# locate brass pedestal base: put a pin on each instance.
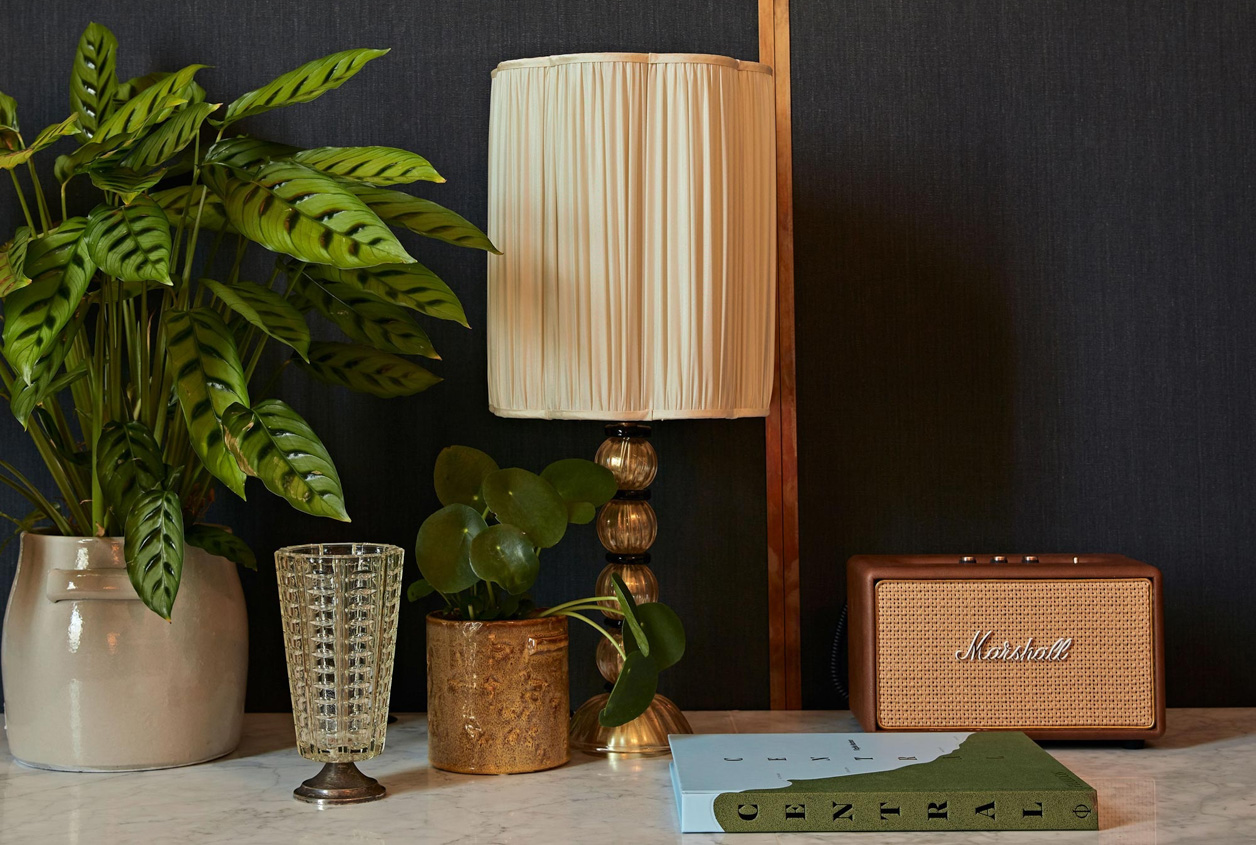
(339, 783)
(644, 736)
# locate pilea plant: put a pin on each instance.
(481, 553)
(139, 309)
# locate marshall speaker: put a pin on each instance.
(1057, 646)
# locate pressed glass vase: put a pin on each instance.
(339, 604)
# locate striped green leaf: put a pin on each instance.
(12, 262)
(28, 397)
(423, 217)
(208, 380)
(266, 310)
(123, 181)
(408, 285)
(273, 443)
(245, 153)
(93, 80)
(131, 242)
(169, 138)
(153, 548)
(45, 383)
(367, 370)
(93, 153)
(9, 128)
(291, 209)
(49, 136)
(150, 106)
(366, 318)
(217, 540)
(301, 85)
(59, 268)
(372, 165)
(136, 84)
(128, 463)
(175, 202)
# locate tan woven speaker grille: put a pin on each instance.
(1105, 681)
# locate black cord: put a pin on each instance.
(838, 660)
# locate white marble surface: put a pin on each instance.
(1198, 784)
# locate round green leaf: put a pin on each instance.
(665, 632)
(460, 470)
(443, 547)
(633, 692)
(578, 480)
(504, 555)
(580, 513)
(527, 501)
(419, 589)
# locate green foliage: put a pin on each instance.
(137, 313)
(484, 570)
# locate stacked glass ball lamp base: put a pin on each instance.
(627, 527)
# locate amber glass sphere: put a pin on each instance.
(627, 526)
(637, 577)
(608, 660)
(632, 460)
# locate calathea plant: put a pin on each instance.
(482, 550)
(139, 311)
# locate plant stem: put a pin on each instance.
(39, 196)
(593, 600)
(21, 198)
(586, 620)
(31, 493)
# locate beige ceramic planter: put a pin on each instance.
(95, 681)
(497, 696)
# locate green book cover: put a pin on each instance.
(875, 781)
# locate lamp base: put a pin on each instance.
(339, 783)
(644, 736)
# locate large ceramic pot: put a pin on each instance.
(95, 681)
(497, 697)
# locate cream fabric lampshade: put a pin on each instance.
(633, 198)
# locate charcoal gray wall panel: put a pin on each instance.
(431, 95)
(1025, 286)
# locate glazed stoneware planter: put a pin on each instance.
(95, 681)
(497, 696)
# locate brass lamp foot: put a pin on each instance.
(644, 736)
(339, 783)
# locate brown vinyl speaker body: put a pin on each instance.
(1066, 647)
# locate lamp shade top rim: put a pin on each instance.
(634, 58)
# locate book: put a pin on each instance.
(875, 782)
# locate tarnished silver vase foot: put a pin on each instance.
(339, 783)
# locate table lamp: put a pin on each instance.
(633, 197)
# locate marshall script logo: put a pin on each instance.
(978, 650)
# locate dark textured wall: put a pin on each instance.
(431, 94)
(1026, 285)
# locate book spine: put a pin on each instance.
(783, 811)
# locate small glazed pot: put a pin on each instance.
(497, 695)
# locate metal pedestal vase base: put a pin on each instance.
(339, 783)
(644, 736)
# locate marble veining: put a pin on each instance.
(1197, 784)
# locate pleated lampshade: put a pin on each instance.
(633, 197)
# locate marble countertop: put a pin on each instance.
(1197, 784)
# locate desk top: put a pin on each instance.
(1194, 785)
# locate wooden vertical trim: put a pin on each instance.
(781, 429)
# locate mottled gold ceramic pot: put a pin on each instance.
(497, 698)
